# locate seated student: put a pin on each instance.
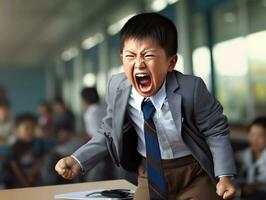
(6, 123)
(62, 116)
(67, 143)
(252, 162)
(6, 132)
(93, 110)
(45, 118)
(23, 163)
(3, 150)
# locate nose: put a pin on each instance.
(139, 63)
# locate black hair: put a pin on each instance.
(90, 95)
(59, 100)
(25, 117)
(260, 121)
(4, 103)
(45, 104)
(153, 25)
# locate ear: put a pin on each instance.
(172, 62)
(121, 57)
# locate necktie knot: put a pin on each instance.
(148, 109)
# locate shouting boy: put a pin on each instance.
(159, 122)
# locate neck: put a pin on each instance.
(88, 105)
(257, 154)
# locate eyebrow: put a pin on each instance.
(149, 50)
(144, 51)
(128, 51)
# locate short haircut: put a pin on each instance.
(59, 100)
(4, 103)
(45, 104)
(260, 121)
(151, 25)
(24, 118)
(90, 95)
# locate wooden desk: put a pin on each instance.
(48, 192)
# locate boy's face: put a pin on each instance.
(26, 130)
(257, 138)
(64, 135)
(57, 107)
(85, 105)
(4, 113)
(42, 110)
(146, 65)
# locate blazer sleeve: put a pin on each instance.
(212, 123)
(96, 149)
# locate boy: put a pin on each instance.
(62, 116)
(160, 121)
(24, 161)
(6, 123)
(252, 162)
(93, 110)
(45, 119)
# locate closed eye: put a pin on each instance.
(149, 55)
(129, 56)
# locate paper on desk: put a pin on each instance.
(82, 195)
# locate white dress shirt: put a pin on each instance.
(93, 117)
(254, 170)
(170, 140)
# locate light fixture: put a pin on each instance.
(69, 54)
(89, 80)
(116, 27)
(158, 5)
(92, 41)
(172, 1)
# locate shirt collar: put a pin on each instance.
(157, 99)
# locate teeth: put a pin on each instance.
(141, 75)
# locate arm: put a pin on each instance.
(211, 122)
(88, 155)
(19, 174)
(95, 150)
(35, 170)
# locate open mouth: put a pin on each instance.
(144, 82)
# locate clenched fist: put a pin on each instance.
(225, 188)
(67, 167)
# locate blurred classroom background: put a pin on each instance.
(52, 49)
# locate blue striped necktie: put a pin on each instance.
(157, 184)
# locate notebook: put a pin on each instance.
(92, 194)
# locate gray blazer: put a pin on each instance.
(195, 112)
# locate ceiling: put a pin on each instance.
(32, 32)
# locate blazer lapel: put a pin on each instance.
(120, 105)
(174, 99)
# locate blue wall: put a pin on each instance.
(25, 87)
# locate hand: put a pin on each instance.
(67, 167)
(225, 188)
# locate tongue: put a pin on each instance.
(145, 84)
(145, 81)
